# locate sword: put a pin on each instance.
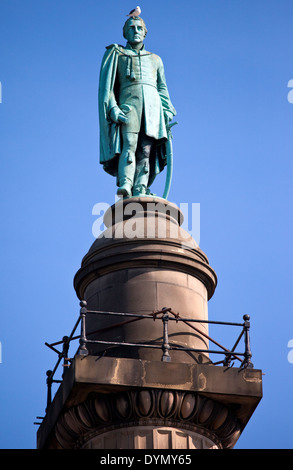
(169, 159)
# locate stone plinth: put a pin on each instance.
(143, 262)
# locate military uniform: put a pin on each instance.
(133, 82)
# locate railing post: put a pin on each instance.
(247, 355)
(49, 388)
(65, 353)
(83, 311)
(166, 356)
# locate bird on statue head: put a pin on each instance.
(135, 12)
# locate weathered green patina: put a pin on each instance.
(135, 111)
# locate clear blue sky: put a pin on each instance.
(228, 64)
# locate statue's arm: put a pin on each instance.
(168, 108)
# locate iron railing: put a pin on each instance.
(165, 315)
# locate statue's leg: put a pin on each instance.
(142, 171)
(126, 164)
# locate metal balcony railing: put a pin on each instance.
(165, 316)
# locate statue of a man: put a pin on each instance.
(134, 112)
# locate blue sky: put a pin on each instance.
(227, 64)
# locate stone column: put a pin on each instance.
(143, 262)
(127, 397)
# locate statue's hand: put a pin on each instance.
(122, 118)
(116, 115)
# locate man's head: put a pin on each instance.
(134, 30)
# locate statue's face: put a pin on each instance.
(135, 32)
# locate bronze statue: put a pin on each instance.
(134, 111)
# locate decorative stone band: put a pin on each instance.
(198, 421)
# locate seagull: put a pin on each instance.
(135, 12)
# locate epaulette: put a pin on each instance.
(114, 45)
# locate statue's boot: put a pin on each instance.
(126, 171)
(124, 190)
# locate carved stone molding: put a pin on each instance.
(149, 437)
(190, 412)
